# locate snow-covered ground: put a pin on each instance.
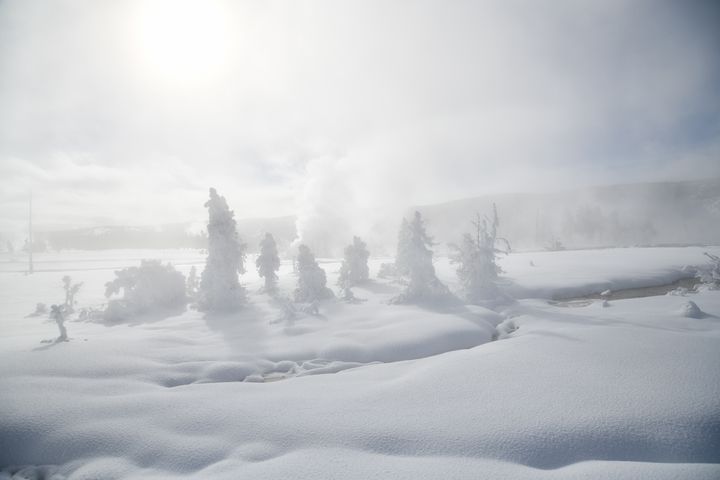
(626, 391)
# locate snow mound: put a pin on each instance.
(691, 310)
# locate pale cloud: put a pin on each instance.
(337, 109)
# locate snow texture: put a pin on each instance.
(369, 390)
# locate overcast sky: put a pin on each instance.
(125, 112)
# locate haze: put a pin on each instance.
(360, 239)
(124, 113)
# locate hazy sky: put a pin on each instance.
(125, 112)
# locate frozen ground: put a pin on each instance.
(627, 391)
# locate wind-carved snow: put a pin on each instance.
(590, 392)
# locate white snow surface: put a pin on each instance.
(369, 390)
(575, 273)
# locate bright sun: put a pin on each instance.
(181, 42)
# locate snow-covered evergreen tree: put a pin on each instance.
(40, 309)
(268, 262)
(423, 284)
(312, 281)
(402, 254)
(387, 270)
(220, 288)
(192, 285)
(70, 291)
(476, 259)
(354, 269)
(554, 245)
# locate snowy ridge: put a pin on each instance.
(632, 214)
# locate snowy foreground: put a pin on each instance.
(531, 390)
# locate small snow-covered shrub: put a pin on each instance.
(90, 314)
(40, 309)
(57, 313)
(70, 291)
(554, 245)
(387, 270)
(287, 308)
(150, 287)
(348, 296)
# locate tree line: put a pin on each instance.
(154, 287)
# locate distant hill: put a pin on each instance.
(618, 215)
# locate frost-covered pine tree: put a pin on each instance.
(423, 284)
(70, 291)
(354, 269)
(312, 281)
(192, 285)
(268, 262)
(476, 259)
(220, 288)
(402, 260)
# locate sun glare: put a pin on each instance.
(181, 42)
